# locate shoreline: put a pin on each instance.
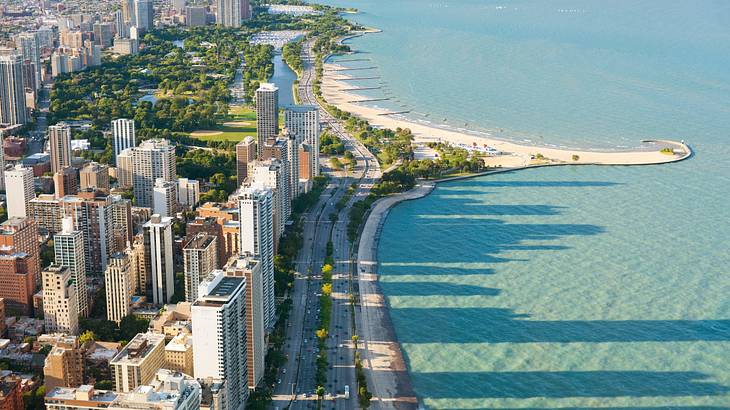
(336, 92)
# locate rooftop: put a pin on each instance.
(138, 348)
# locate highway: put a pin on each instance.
(297, 386)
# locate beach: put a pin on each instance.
(512, 154)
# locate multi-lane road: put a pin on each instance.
(297, 385)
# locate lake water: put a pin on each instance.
(571, 287)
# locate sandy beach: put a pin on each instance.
(514, 155)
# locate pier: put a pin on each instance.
(361, 88)
(352, 60)
(368, 100)
(357, 78)
(395, 112)
(353, 69)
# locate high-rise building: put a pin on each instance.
(278, 149)
(46, 211)
(104, 34)
(303, 122)
(123, 135)
(22, 235)
(64, 365)
(169, 390)
(228, 13)
(179, 354)
(19, 191)
(138, 362)
(125, 169)
(245, 153)
(128, 14)
(12, 90)
(29, 44)
(164, 198)
(209, 226)
(94, 176)
(256, 219)
(59, 138)
(293, 162)
(267, 114)
(152, 159)
(122, 223)
(200, 256)
(245, 9)
(159, 259)
(17, 280)
(92, 215)
(250, 269)
(272, 174)
(221, 311)
(138, 266)
(65, 182)
(195, 16)
(60, 303)
(68, 247)
(2, 161)
(144, 14)
(188, 192)
(118, 282)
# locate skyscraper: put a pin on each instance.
(303, 122)
(200, 256)
(118, 283)
(271, 174)
(152, 159)
(267, 114)
(144, 14)
(68, 247)
(65, 182)
(123, 135)
(245, 9)
(292, 149)
(12, 91)
(188, 192)
(59, 138)
(125, 169)
(2, 162)
(29, 45)
(256, 218)
(19, 191)
(158, 259)
(164, 197)
(92, 214)
(245, 153)
(247, 267)
(60, 303)
(94, 176)
(219, 334)
(228, 13)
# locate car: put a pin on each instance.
(284, 371)
(278, 381)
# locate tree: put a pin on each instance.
(327, 289)
(576, 157)
(321, 333)
(87, 336)
(320, 391)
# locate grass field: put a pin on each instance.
(237, 125)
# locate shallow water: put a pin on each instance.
(571, 287)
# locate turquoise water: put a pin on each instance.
(570, 287)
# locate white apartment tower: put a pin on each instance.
(303, 122)
(164, 198)
(200, 257)
(123, 135)
(219, 334)
(60, 309)
(256, 219)
(12, 90)
(188, 192)
(267, 114)
(228, 13)
(292, 151)
(158, 259)
(118, 282)
(68, 247)
(19, 191)
(272, 174)
(152, 159)
(59, 138)
(250, 269)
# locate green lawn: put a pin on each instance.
(236, 113)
